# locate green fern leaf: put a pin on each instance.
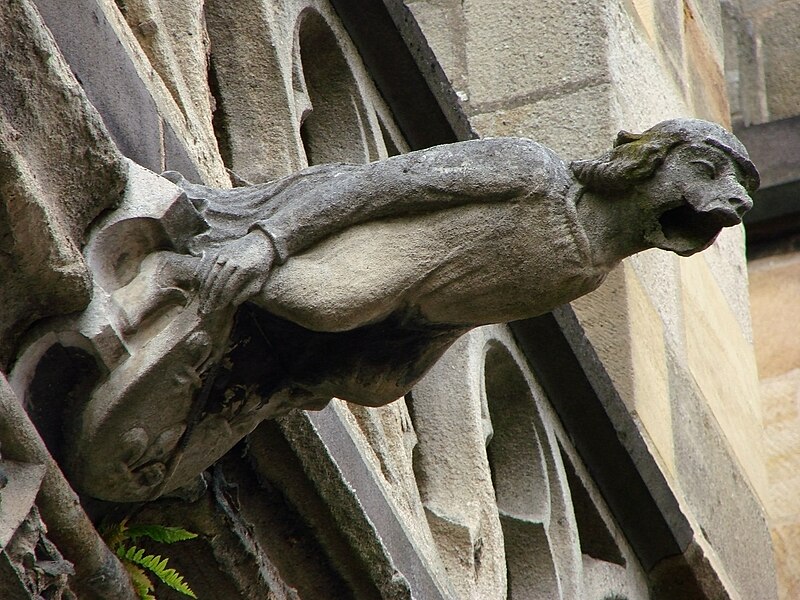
(158, 566)
(160, 533)
(175, 580)
(148, 562)
(132, 554)
(135, 560)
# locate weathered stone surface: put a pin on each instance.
(89, 44)
(779, 29)
(774, 147)
(727, 263)
(21, 483)
(259, 143)
(706, 79)
(731, 394)
(171, 267)
(621, 309)
(566, 122)
(453, 476)
(773, 293)
(331, 458)
(384, 439)
(445, 30)
(174, 38)
(36, 563)
(658, 278)
(722, 493)
(644, 82)
(762, 67)
(504, 66)
(58, 171)
(128, 92)
(99, 574)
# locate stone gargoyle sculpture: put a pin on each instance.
(216, 309)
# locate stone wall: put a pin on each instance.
(674, 334)
(763, 68)
(478, 484)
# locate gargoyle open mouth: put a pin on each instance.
(686, 230)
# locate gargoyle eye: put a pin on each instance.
(705, 167)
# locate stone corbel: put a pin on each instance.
(134, 358)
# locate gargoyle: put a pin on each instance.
(215, 309)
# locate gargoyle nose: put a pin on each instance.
(728, 205)
(737, 196)
(725, 214)
(741, 203)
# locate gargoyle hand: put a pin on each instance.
(237, 272)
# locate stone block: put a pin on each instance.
(627, 332)
(176, 158)
(568, 123)
(453, 475)
(58, 171)
(786, 540)
(743, 66)
(646, 87)
(603, 317)
(657, 273)
(730, 385)
(782, 432)
(731, 525)
(779, 32)
(127, 88)
(445, 30)
(173, 35)
(706, 79)
(708, 14)
(18, 489)
(668, 17)
(256, 118)
(504, 65)
(774, 148)
(649, 367)
(644, 11)
(727, 263)
(94, 53)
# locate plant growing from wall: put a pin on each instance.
(120, 538)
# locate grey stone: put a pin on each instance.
(36, 562)
(774, 147)
(99, 574)
(453, 426)
(176, 158)
(258, 144)
(744, 68)
(342, 269)
(58, 171)
(107, 76)
(779, 32)
(443, 23)
(503, 64)
(17, 496)
(668, 17)
(717, 493)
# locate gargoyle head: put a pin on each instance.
(693, 178)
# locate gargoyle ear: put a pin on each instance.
(625, 137)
